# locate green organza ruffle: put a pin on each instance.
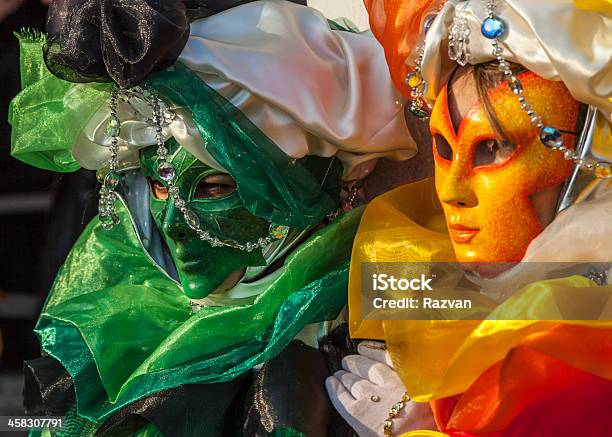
(123, 329)
(49, 114)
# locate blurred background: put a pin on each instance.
(42, 214)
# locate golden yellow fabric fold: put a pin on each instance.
(594, 5)
(439, 358)
(403, 225)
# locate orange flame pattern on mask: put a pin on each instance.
(495, 198)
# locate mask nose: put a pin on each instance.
(457, 190)
(174, 225)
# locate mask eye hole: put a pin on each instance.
(443, 148)
(492, 151)
(159, 190)
(216, 185)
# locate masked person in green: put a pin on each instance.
(201, 301)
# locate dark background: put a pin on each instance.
(41, 215)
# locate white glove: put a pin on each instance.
(367, 388)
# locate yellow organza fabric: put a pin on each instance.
(439, 358)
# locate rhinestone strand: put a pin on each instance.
(167, 173)
(458, 39)
(493, 28)
(106, 205)
(418, 106)
(393, 412)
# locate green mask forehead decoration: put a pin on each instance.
(202, 268)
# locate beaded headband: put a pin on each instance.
(494, 28)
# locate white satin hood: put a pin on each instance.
(552, 38)
(313, 91)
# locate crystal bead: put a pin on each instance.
(249, 247)
(192, 220)
(166, 171)
(111, 180)
(551, 137)
(278, 231)
(493, 27)
(398, 406)
(173, 189)
(603, 170)
(179, 203)
(515, 85)
(568, 154)
(109, 220)
(418, 110)
(113, 127)
(388, 424)
(414, 79)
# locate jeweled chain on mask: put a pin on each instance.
(493, 28)
(167, 173)
(108, 196)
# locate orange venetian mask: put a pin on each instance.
(485, 184)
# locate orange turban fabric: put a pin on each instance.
(397, 24)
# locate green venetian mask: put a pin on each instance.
(203, 269)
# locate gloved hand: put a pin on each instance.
(366, 389)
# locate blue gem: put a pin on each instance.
(551, 137)
(493, 27)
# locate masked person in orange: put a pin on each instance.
(517, 97)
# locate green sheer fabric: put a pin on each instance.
(271, 184)
(49, 114)
(124, 330)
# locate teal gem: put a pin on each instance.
(551, 137)
(493, 27)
